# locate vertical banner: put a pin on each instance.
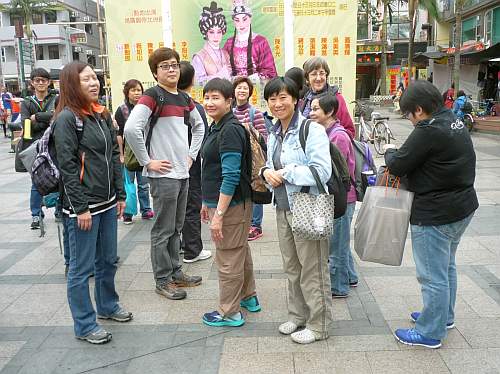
(134, 31)
(328, 29)
(229, 38)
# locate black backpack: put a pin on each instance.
(340, 181)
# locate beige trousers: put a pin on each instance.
(234, 259)
(305, 263)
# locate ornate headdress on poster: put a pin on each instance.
(212, 17)
(241, 7)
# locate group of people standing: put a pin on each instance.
(200, 172)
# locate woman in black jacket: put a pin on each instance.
(439, 159)
(89, 162)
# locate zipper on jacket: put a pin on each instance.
(106, 155)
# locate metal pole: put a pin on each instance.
(102, 48)
(21, 65)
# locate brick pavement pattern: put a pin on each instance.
(36, 334)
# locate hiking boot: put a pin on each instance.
(254, 233)
(170, 291)
(204, 254)
(35, 223)
(187, 280)
(148, 214)
(127, 220)
(251, 304)
(412, 337)
(414, 316)
(121, 315)
(215, 319)
(100, 336)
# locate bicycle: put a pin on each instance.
(375, 130)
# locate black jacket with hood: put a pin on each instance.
(89, 162)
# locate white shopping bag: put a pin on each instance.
(382, 225)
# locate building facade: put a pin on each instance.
(52, 46)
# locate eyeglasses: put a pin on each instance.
(167, 67)
(320, 74)
(40, 80)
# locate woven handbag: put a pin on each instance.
(313, 215)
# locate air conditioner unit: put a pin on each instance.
(74, 13)
(86, 19)
(78, 49)
(89, 52)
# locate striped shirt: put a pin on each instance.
(170, 134)
(242, 113)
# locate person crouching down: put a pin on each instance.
(226, 156)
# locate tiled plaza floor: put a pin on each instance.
(166, 336)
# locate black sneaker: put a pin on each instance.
(127, 220)
(187, 280)
(35, 223)
(170, 291)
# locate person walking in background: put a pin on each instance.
(448, 97)
(342, 272)
(253, 119)
(316, 72)
(191, 231)
(287, 170)
(89, 161)
(227, 205)
(439, 160)
(133, 90)
(459, 103)
(166, 162)
(36, 114)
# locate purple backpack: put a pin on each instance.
(45, 173)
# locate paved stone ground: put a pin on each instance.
(167, 336)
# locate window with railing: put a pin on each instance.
(471, 29)
(400, 26)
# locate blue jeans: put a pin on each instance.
(96, 247)
(258, 213)
(35, 202)
(340, 253)
(142, 190)
(434, 249)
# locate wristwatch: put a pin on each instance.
(220, 213)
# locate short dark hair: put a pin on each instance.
(159, 55)
(220, 85)
(279, 84)
(246, 80)
(39, 72)
(187, 75)
(131, 83)
(460, 93)
(297, 75)
(423, 94)
(328, 103)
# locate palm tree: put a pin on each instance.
(459, 6)
(413, 5)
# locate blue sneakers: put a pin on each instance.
(215, 319)
(414, 316)
(412, 337)
(251, 304)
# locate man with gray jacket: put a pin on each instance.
(166, 162)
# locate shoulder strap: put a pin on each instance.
(160, 101)
(303, 133)
(251, 114)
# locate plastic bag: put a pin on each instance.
(382, 225)
(130, 190)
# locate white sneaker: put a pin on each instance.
(204, 254)
(305, 336)
(287, 328)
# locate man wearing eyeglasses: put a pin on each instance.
(166, 162)
(36, 113)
